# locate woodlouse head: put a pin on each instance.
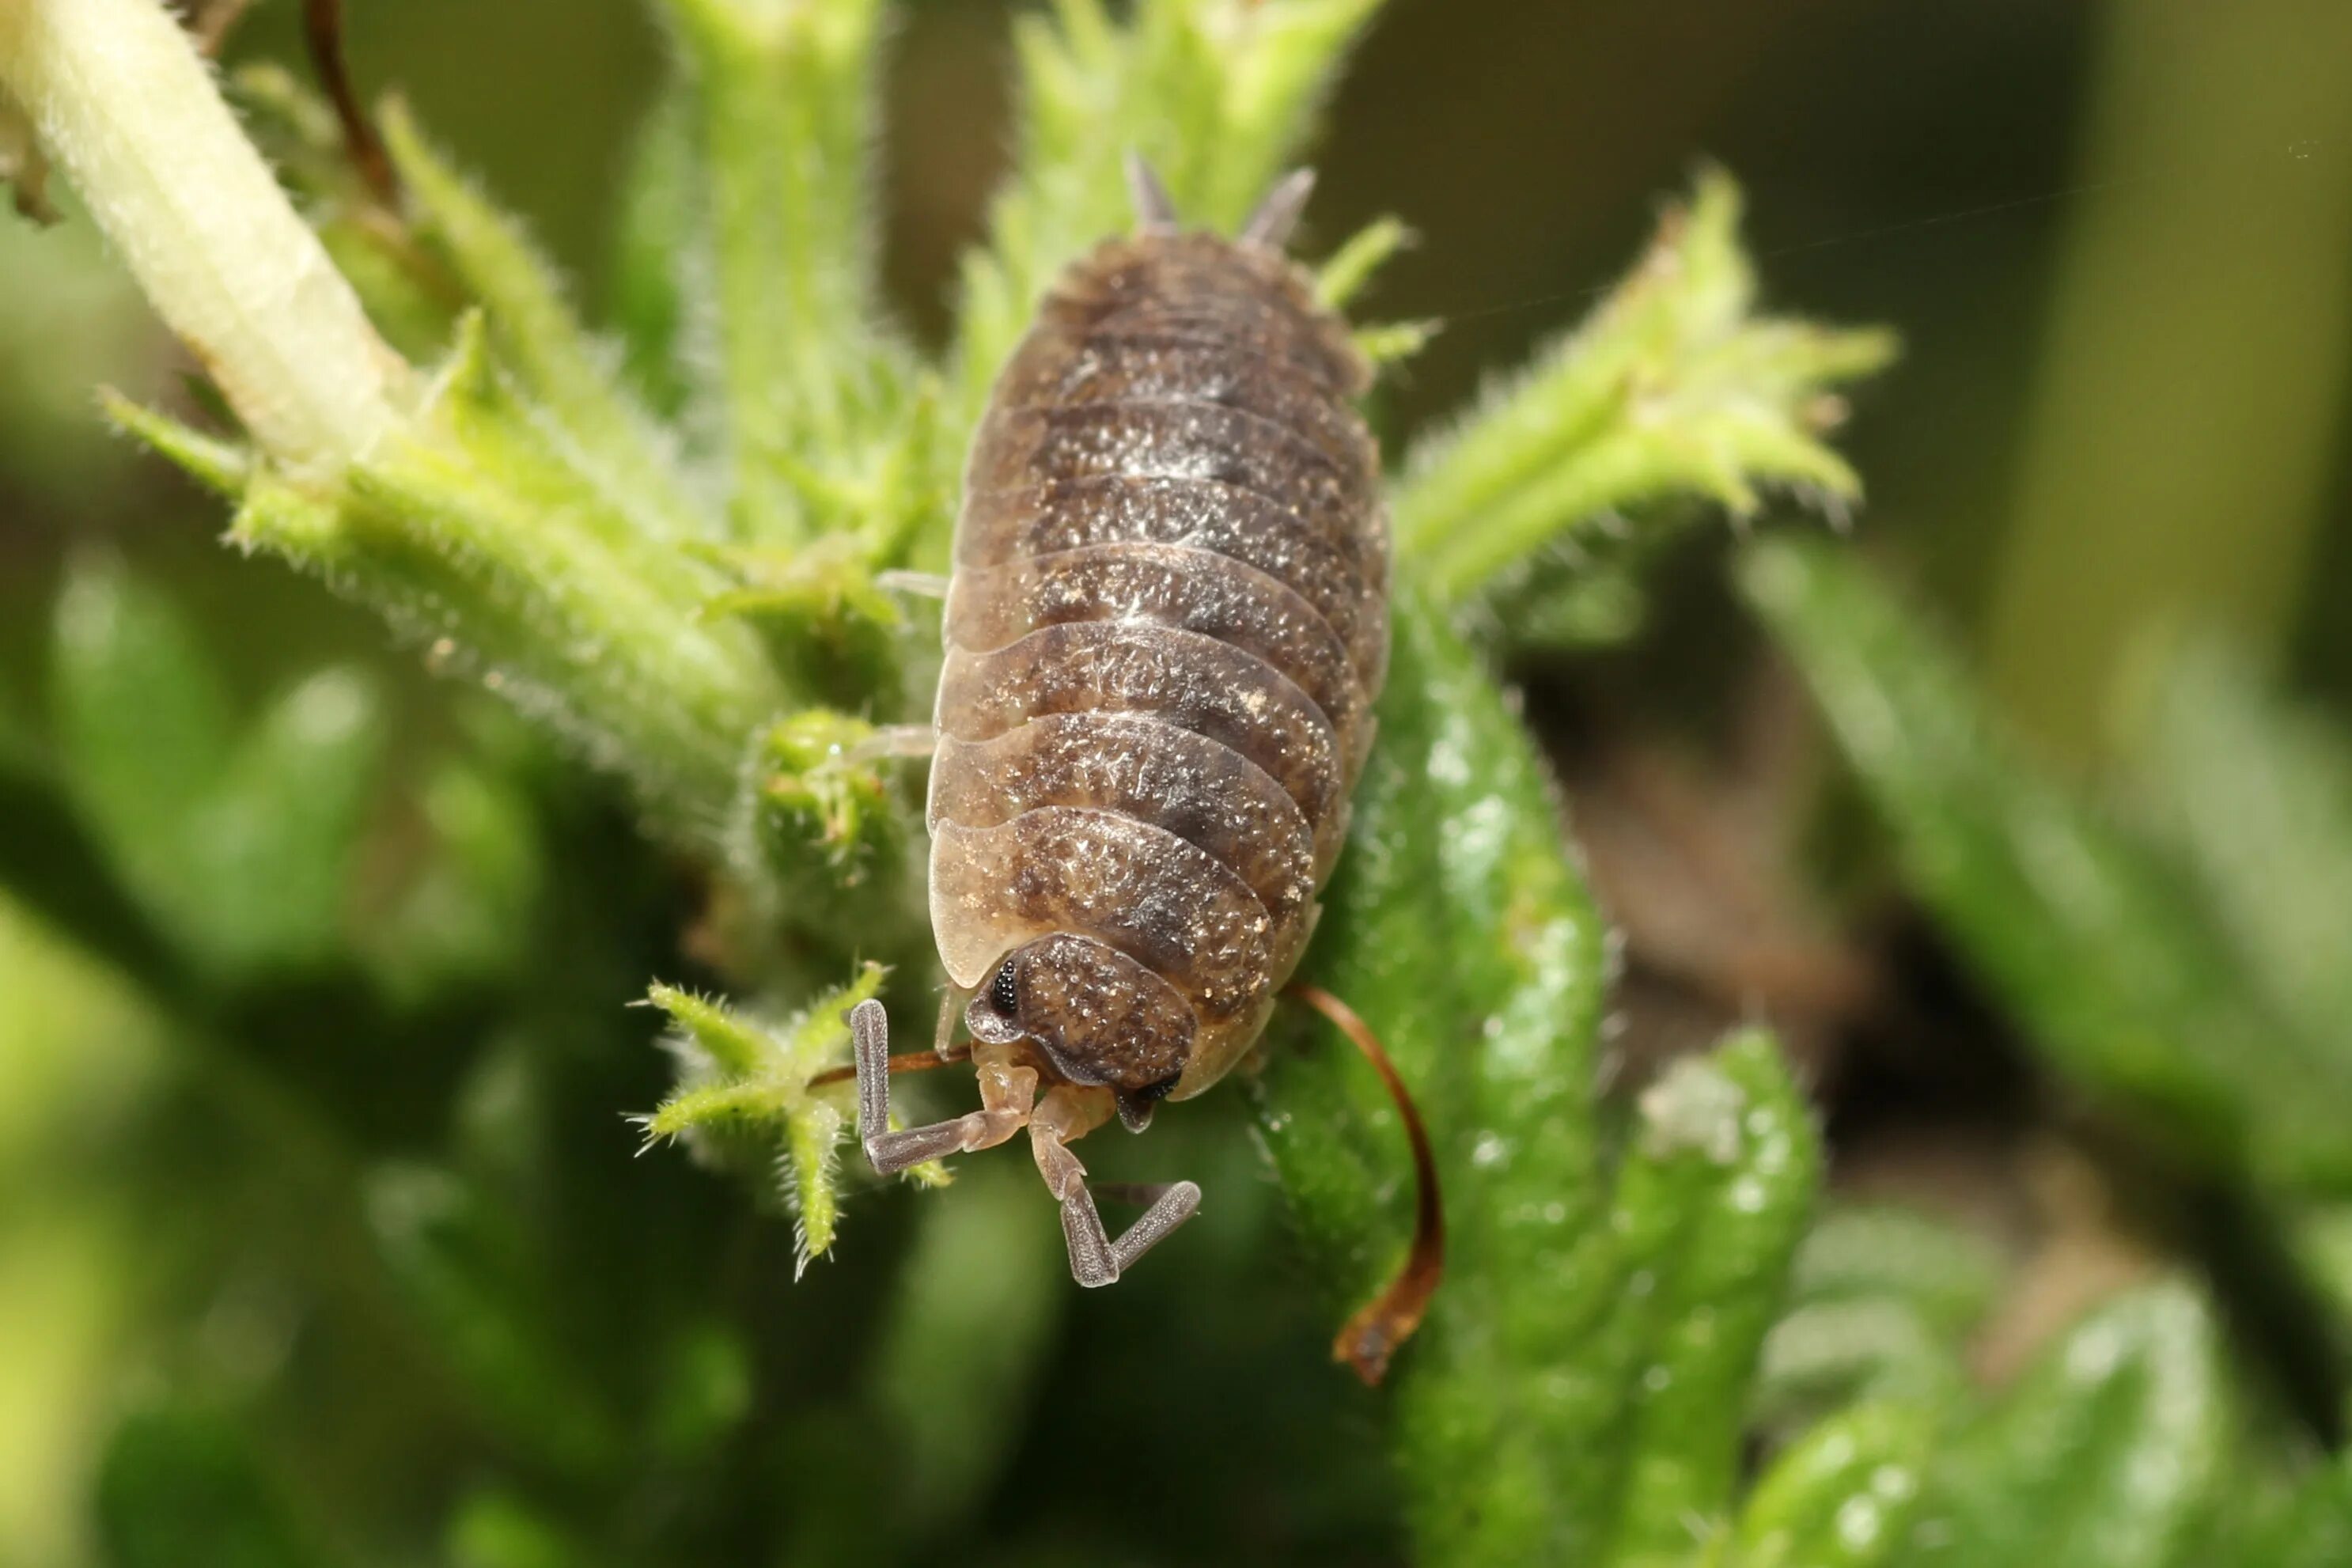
(1096, 1015)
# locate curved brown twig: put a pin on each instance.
(1371, 1336)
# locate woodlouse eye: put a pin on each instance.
(1005, 993)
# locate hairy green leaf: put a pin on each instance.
(1672, 388)
(539, 338)
(783, 125)
(1577, 1392)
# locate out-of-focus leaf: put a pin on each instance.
(652, 244)
(276, 840)
(1578, 1389)
(180, 1485)
(496, 1529)
(704, 1393)
(142, 730)
(1880, 1302)
(2314, 1530)
(466, 915)
(1671, 389)
(2113, 1452)
(2094, 940)
(1842, 1497)
(467, 1274)
(979, 1295)
(2256, 798)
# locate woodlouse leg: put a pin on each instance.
(1064, 1115)
(1269, 227)
(1155, 209)
(1006, 1092)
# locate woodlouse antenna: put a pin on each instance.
(904, 1061)
(1371, 1336)
(322, 31)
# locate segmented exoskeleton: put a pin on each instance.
(1165, 629)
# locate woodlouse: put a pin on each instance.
(1164, 633)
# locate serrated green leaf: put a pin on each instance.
(179, 1485)
(2094, 942)
(1842, 1497)
(2112, 1452)
(1670, 388)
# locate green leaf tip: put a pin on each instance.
(220, 466)
(1671, 387)
(1843, 1497)
(745, 1100)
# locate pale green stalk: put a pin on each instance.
(117, 98)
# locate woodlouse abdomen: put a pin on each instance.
(1164, 633)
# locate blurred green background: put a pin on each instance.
(2117, 240)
